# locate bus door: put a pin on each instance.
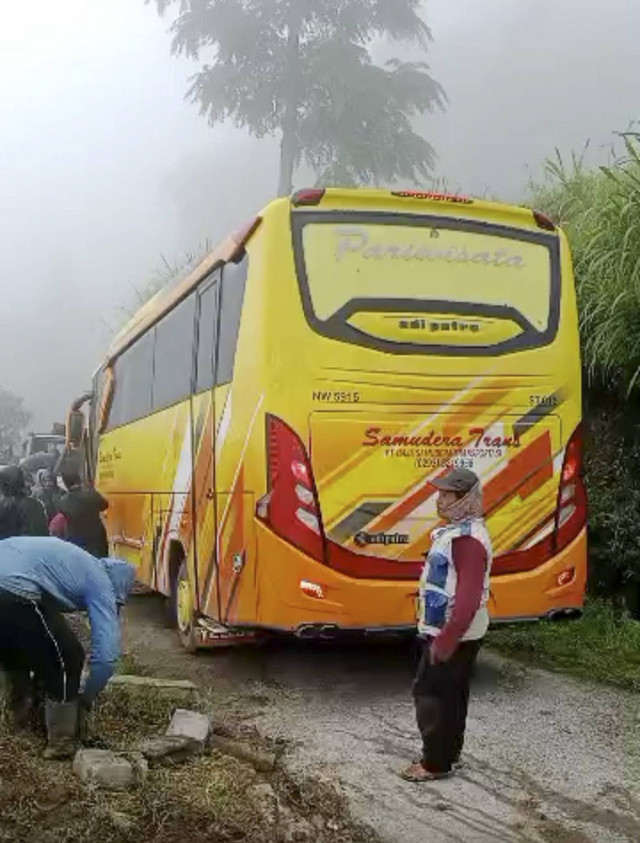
(235, 502)
(203, 420)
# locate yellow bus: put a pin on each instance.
(267, 428)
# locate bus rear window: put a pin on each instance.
(427, 285)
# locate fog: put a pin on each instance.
(106, 169)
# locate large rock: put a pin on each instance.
(190, 724)
(104, 768)
(168, 750)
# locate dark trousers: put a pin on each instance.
(36, 639)
(441, 695)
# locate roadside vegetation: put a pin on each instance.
(198, 801)
(600, 211)
(208, 798)
(602, 646)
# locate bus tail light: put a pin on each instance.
(543, 221)
(308, 196)
(290, 507)
(571, 511)
(569, 519)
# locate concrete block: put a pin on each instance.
(103, 768)
(190, 724)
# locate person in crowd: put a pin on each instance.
(452, 621)
(47, 492)
(40, 579)
(33, 518)
(78, 520)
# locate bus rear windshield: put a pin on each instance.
(427, 285)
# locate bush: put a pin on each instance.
(601, 646)
(612, 462)
(600, 211)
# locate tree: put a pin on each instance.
(303, 69)
(13, 420)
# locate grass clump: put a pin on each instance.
(602, 645)
(201, 800)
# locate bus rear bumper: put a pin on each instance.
(554, 591)
(383, 606)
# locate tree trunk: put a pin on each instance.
(288, 155)
(289, 149)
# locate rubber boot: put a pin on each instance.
(62, 729)
(20, 699)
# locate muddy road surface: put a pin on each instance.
(547, 758)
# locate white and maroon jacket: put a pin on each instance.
(454, 586)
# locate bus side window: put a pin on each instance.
(133, 372)
(208, 318)
(173, 356)
(234, 282)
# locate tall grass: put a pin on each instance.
(601, 646)
(600, 210)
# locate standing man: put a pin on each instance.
(40, 579)
(452, 621)
(78, 520)
(13, 488)
(46, 491)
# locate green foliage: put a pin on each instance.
(303, 68)
(612, 463)
(601, 646)
(600, 210)
(14, 417)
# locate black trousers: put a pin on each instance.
(441, 696)
(36, 639)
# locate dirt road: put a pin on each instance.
(547, 758)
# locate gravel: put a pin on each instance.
(547, 758)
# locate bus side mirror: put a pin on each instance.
(75, 428)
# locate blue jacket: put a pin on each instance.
(35, 568)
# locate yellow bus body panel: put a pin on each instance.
(377, 426)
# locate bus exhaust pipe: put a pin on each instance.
(306, 630)
(317, 630)
(564, 615)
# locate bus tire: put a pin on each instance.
(184, 610)
(174, 563)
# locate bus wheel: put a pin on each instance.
(185, 615)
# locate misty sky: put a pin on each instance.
(105, 168)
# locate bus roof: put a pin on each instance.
(390, 201)
(177, 289)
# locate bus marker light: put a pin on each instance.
(312, 589)
(566, 576)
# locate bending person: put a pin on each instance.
(40, 579)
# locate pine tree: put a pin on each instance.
(303, 70)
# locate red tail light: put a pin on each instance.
(570, 516)
(571, 511)
(543, 221)
(308, 196)
(290, 507)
